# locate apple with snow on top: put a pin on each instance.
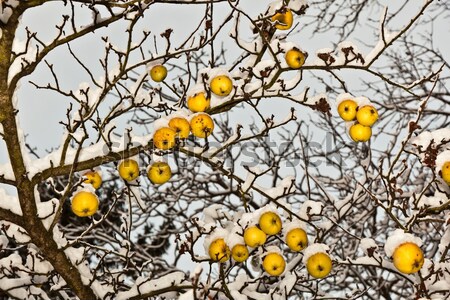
(270, 223)
(274, 264)
(129, 169)
(408, 258)
(254, 237)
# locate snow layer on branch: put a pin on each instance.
(367, 243)
(10, 203)
(310, 208)
(434, 201)
(145, 285)
(423, 140)
(397, 238)
(297, 5)
(285, 187)
(6, 10)
(15, 232)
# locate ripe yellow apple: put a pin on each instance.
(164, 138)
(219, 251)
(158, 73)
(239, 253)
(283, 20)
(221, 85)
(360, 133)
(129, 169)
(297, 239)
(319, 265)
(181, 127)
(445, 172)
(202, 125)
(270, 223)
(159, 173)
(93, 178)
(367, 115)
(295, 58)
(408, 258)
(274, 264)
(84, 204)
(198, 102)
(254, 237)
(347, 110)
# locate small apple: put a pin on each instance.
(283, 20)
(219, 251)
(297, 239)
(270, 223)
(408, 258)
(319, 265)
(129, 169)
(93, 178)
(84, 204)
(181, 127)
(367, 115)
(164, 138)
(202, 125)
(295, 58)
(347, 110)
(159, 173)
(239, 252)
(254, 237)
(221, 85)
(445, 172)
(360, 133)
(274, 264)
(158, 73)
(198, 102)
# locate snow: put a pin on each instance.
(46, 211)
(146, 285)
(367, 243)
(297, 5)
(12, 231)
(438, 137)
(310, 208)
(397, 238)
(441, 159)
(313, 249)
(434, 201)
(10, 203)
(285, 187)
(234, 238)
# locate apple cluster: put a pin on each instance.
(261, 240)
(360, 114)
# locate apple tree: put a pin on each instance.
(224, 149)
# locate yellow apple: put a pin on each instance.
(181, 127)
(408, 258)
(254, 237)
(347, 110)
(221, 85)
(93, 178)
(158, 73)
(283, 20)
(159, 173)
(367, 115)
(219, 251)
(129, 169)
(198, 102)
(270, 223)
(239, 253)
(274, 264)
(445, 172)
(360, 133)
(164, 138)
(84, 204)
(319, 265)
(295, 58)
(297, 239)
(202, 125)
